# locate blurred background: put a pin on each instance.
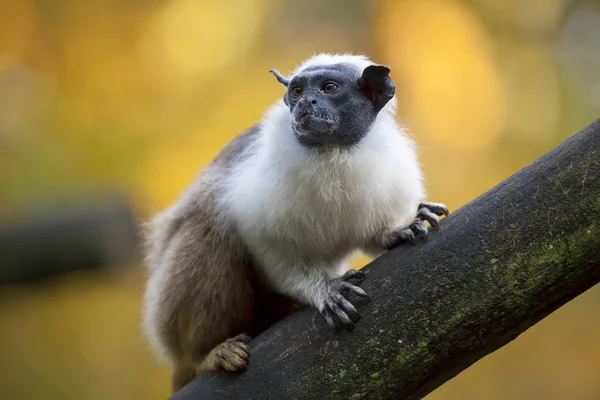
(108, 109)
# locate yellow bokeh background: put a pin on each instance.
(140, 95)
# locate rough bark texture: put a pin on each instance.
(499, 264)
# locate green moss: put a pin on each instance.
(518, 277)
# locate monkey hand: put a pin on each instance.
(426, 212)
(335, 308)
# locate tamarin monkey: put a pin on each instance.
(271, 221)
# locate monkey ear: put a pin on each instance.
(377, 85)
(280, 78)
(284, 81)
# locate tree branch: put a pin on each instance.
(82, 234)
(499, 264)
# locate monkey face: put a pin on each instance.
(336, 104)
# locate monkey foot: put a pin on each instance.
(232, 355)
(336, 309)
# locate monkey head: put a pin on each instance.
(335, 104)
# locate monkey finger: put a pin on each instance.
(354, 289)
(354, 274)
(344, 318)
(437, 208)
(428, 216)
(328, 317)
(406, 235)
(351, 311)
(338, 308)
(345, 306)
(331, 317)
(418, 227)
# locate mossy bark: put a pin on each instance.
(499, 264)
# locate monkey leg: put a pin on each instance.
(182, 374)
(426, 212)
(231, 356)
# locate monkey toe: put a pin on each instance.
(234, 363)
(233, 355)
(242, 338)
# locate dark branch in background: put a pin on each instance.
(500, 264)
(86, 234)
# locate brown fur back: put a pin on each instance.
(202, 288)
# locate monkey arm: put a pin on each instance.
(390, 238)
(306, 282)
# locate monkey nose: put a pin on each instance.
(309, 100)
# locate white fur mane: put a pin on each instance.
(293, 206)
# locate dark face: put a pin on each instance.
(336, 104)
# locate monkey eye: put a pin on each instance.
(329, 87)
(297, 91)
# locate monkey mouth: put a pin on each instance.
(315, 126)
(311, 123)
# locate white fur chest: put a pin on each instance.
(324, 205)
